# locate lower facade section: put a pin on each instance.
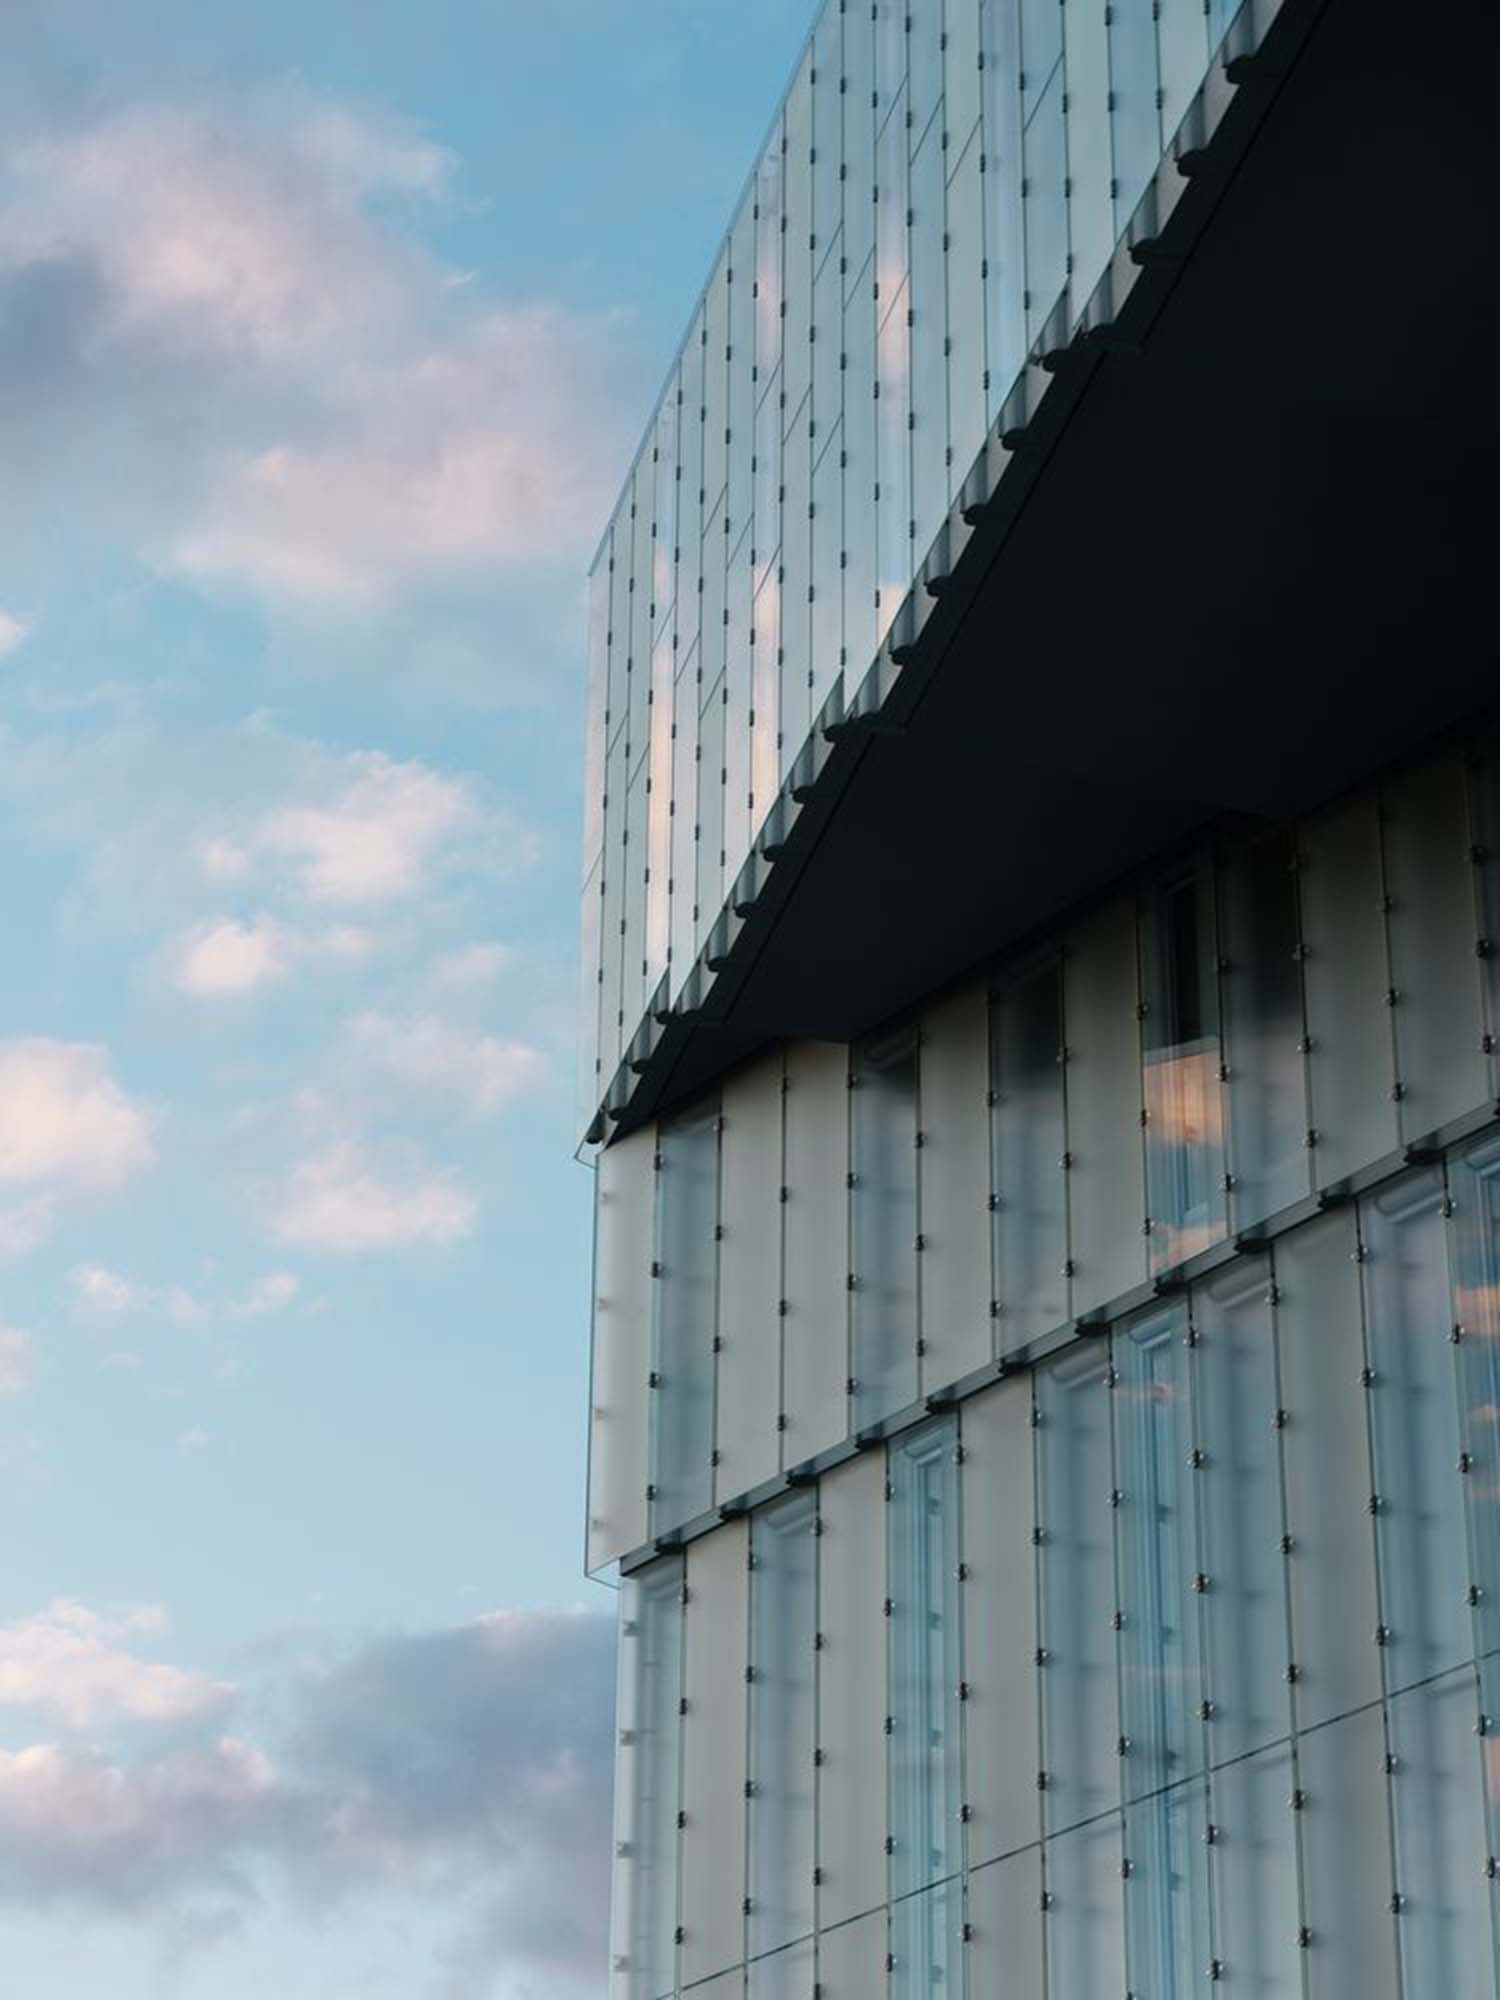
(1169, 1658)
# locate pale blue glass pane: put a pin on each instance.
(1085, 1913)
(929, 334)
(893, 464)
(1419, 1527)
(1161, 1683)
(966, 320)
(962, 75)
(1183, 32)
(684, 821)
(1004, 223)
(766, 538)
(827, 571)
(797, 274)
(827, 134)
(741, 370)
(1475, 1183)
(783, 1609)
(927, 1950)
(765, 699)
(1437, 1794)
(618, 704)
(925, 1651)
(687, 1259)
(611, 944)
(827, 352)
(789, 1975)
(796, 588)
(1031, 1214)
(883, 1213)
(716, 383)
(589, 1089)
(1168, 1944)
(859, 478)
(890, 55)
(1185, 1192)
(1254, 1855)
(664, 528)
(859, 144)
(1045, 203)
(634, 861)
(711, 805)
(1041, 47)
(1080, 1713)
(1221, 15)
(595, 723)
(1135, 123)
(1263, 1028)
(925, 60)
(1484, 818)
(648, 1775)
(1091, 209)
(690, 493)
(892, 199)
(715, 589)
(641, 502)
(770, 208)
(1244, 1604)
(737, 702)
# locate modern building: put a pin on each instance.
(1042, 1026)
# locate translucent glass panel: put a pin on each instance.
(1106, 1183)
(1134, 120)
(1429, 877)
(647, 1770)
(1419, 1523)
(1004, 221)
(786, 1975)
(927, 1945)
(852, 1692)
(931, 478)
(783, 1722)
(925, 1650)
(619, 1396)
(1474, 1180)
(816, 1211)
(1437, 1803)
(714, 1753)
(750, 1288)
(965, 280)
(1261, 991)
(1000, 1635)
(1085, 1927)
(1257, 1909)
(1331, 1558)
(1484, 824)
(955, 1175)
(1005, 1918)
(1168, 1939)
(687, 1260)
(1086, 40)
(1029, 1135)
(883, 1226)
(851, 1959)
(1347, 983)
(1180, 1055)
(1344, 1828)
(1156, 1540)
(1075, 1488)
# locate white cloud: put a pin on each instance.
(341, 1199)
(13, 631)
(227, 957)
(67, 1130)
(103, 1291)
(75, 1666)
(375, 839)
(273, 1293)
(471, 965)
(17, 1361)
(482, 1071)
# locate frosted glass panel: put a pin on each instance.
(955, 1196)
(1346, 1861)
(687, 1217)
(1004, 224)
(789, 1975)
(1168, 1943)
(1441, 1849)
(783, 1722)
(619, 1420)
(883, 1212)
(1086, 35)
(1001, 1720)
(750, 1291)
(1185, 1194)
(713, 1771)
(851, 1691)
(1331, 1565)
(1080, 1710)
(1474, 1179)
(1085, 1913)
(851, 1960)
(1256, 1892)
(816, 1344)
(925, 1650)
(927, 1948)
(647, 1771)
(1106, 1185)
(1005, 1916)
(1134, 119)
(1030, 1139)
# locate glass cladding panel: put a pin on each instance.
(1075, 1482)
(966, 321)
(851, 1960)
(789, 1975)
(1346, 1861)
(765, 701)
(589, 1084)
(1091, 208)
(1181, 1057)
(860, 546)
(612, 950)
(1484, 819)
(890, 18)
(827, 571)
(1261, 990)
(714, 1753)
(684, 822)
(925, 1649)
(797, 272)
(783, 1720)
(893, 494)
(598, 701)
(927, 1945)
(1000, 1667)
(1106, 1181)
(796, 594)
(1005, 1915)
(750, 1285)
(715, 595)
(1004, 224)
(1437, 1800)
(1044, 149)
(741, 369)
(883, 1227)
(852, 1692)
(1429, 879)
(828, 362)
(1419, 1527)
(687, 1216)
(618, 705)
(962, 74)
(1243, 1606)
(1256, 1890)
(1161, 1684)
(1331, 1563)
(634, 860)
(1085, 1920)
(664, 509)
(647, 1775)
(728, 1986)
(1030, 1139)
(1041, 47)
(827, 133)
(892, 200)
(1134, 121)
(711, 805)
(619, 1427)
(1474, 1178)
(954, 1168)
(715, 388)
(859, 148)
(1168, 1939)
(816, 1223)
(690, 492)
(768, 475)
(924, 49)
(931, 490)
(1346, 975)
(1182, 36)
(659, 812)
(770, 211)
(642, 503)
(738, 688)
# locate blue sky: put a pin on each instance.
(325, 336)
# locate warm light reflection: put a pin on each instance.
(659, 814)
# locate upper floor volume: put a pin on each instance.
(1073, 446)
